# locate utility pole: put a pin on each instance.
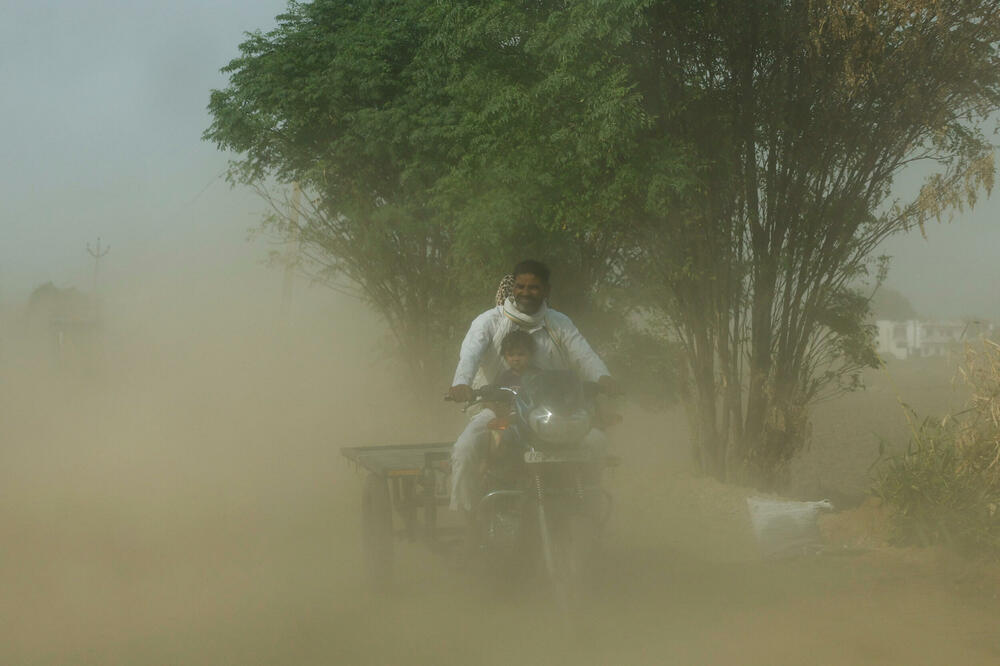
(292, 255)
(97, 253)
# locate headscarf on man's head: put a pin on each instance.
(505, 290)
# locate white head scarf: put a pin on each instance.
(529, 322)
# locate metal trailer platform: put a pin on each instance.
(397, 460)
(405, 479)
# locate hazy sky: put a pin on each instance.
(103, 105)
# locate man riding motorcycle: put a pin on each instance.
(558, 346)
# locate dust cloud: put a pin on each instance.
(180, 498)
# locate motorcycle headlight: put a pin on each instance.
(559, 428)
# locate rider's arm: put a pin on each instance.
(476, 341)
(584, 359)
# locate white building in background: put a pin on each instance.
(916, 338)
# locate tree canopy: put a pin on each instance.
(724, 169)
(437, 144)
(889, 303)
(802, 115)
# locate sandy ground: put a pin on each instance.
(189, 505)
(848, 432)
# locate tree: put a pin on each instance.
(725, 167)
(798, 116)
(550, 122)
(561, 157)
(440, 142)
(888, 303)
(337, 99)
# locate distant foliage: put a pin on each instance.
(888, 303)
(945, 489)
(722, 168)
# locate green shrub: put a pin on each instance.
(945, 489)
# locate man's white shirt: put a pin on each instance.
(558, 346)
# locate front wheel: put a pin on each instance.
(575, 550)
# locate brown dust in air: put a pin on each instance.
(180, 498)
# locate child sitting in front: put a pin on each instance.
(517, 349)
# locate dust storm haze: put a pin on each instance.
(185, 502)
(178, 495)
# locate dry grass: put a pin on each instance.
(978, 437)
(945, 488)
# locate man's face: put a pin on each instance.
(529, 292)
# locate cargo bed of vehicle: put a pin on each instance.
(397, 460)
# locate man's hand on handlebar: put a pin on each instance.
(461, 393)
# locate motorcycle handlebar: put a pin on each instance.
(488, 393)
(591, 389)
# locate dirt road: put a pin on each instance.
(190, 506)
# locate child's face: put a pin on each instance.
(517, 360)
